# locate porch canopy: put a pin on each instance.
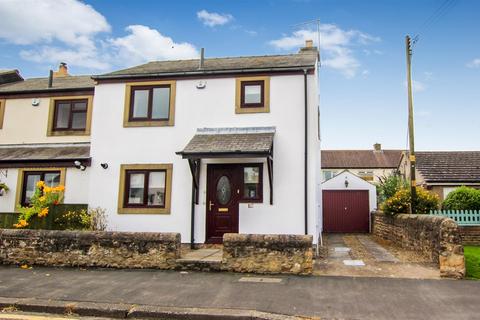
(212, 143)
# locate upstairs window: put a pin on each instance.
(252, 95)
(70, 115)
(150, 104)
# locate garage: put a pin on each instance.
(347, 203)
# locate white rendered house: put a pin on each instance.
(209, 146)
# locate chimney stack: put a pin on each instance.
(377, 147)
(309, 48)
(202, 58)
(62, 70)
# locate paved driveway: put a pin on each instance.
(324, 297)
(360, 255)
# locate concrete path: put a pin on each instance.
(324, 297)
(378, 252)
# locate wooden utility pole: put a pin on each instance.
(413, 183)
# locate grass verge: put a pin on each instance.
(472, 260)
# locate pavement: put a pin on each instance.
(321, 297)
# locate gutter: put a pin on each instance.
(306, 149)
(200, 72)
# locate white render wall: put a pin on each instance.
(76, 187)
(213, 106)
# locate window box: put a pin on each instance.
(149, 104)
(145, 188)
(252, 95)
(70, 116)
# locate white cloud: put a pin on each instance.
(69, 21)
(475, 63)
(73, 32)
(213, 19)
(144, 44)
(336, 46)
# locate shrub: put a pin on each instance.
(43, 198)
(400, 202)
(92, 219)
(462, 198)
(389, 185)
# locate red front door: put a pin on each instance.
(346, 211)
(222, 201)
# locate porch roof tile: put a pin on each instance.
(230, 141)
(53, 152)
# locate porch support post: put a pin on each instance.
(270, 176)
(195, 170)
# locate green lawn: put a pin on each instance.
(472, 259)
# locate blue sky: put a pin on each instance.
(362, 80)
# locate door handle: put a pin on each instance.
(210, 204)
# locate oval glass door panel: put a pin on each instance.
(224, 190)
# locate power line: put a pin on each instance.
(439, 13)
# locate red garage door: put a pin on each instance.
(345, 211)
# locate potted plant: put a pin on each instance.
(3, 188)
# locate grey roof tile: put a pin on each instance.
(449, 166)
(361, 159)
(44, 152)
(229, 143)
(218, 64)
(41, 84)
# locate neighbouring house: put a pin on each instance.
(370, 165)
(209, 146)
(8, 76)
(443, 171)
(348, 201)
(44, 129)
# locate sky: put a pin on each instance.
(363, 97)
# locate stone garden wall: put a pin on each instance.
(268, 254)
(435, 237)
(89, 249)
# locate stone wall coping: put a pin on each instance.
(91, 235)
(266, 240)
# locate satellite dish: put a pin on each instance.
(35, 102)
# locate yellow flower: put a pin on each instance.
(40, 184)
(43, 213)
(42, 198)
(47, 189)
(22, 223)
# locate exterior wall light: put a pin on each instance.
(79, 165)
(104, 165)
(346, 182)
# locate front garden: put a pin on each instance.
(472, 260)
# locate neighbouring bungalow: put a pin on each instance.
(443, 171)
(209, 146)
(370, 165)
(45, 135)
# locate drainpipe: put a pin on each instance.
(306, 149)
(192, 219)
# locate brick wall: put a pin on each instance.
(268, 254)
(89, 249)
(470, 235)
(435, 237)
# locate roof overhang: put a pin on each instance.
(44, 155)
(208, 143)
